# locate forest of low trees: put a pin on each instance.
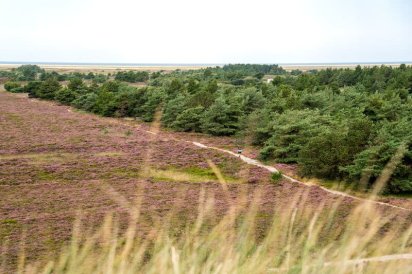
(340, 124)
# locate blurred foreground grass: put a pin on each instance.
(300, 239)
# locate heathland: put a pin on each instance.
(95, 143)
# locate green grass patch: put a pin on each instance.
(123, 173)
(76, 140)
(44, 175)
(41, 158)
(15, 118)
(172, 174)
(109, 154)
(7, 226)
(276, 176)
(191, 174)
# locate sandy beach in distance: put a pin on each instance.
(306, 67)
(110, 68)
(103, 68)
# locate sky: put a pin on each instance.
(208, 31)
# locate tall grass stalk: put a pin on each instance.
(300, 239)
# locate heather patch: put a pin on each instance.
(48, 176)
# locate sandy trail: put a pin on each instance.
(254, 162)
(272, 169)
(357, 262)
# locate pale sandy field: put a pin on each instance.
(112, 68)
(102, 68)
(306, 67)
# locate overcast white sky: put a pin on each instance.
(209, 31)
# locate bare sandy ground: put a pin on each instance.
(306, 67)
(102, 68)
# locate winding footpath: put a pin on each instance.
(272, 169)
(355, 262)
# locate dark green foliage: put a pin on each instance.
(76, 84)
(66, 96)
(46, 75)
(276, 176)
(237, 82)
(192, 86)
(250, 69)
(189, 120)
(48, 89)
(172, 109)
(221, 118)
(344, 124)
(132, 76)
(390, 138)
(33, 88)
(106, 103)
(43, 89)
(111, 86)
(154, 99)
(326, 154)
(27, 72)
(127, 100)
(296, 72)
(99, 78)
(202, 98)
(323, 154)
(6, 74)
(175, 88)
(249, 100)
(9, 86)
(86, 102)
(289, 132)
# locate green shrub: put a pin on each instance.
(9, 86)
(66, 96)
(276, 176)
(18, 90)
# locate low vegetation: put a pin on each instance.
(298, 239)
(170, 206)
(337, 124)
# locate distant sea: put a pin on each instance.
(193, 64)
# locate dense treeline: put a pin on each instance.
(132, 76)
(336, 123)
(34, 72)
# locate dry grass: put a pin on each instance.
(298, 240)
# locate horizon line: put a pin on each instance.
(203, 64)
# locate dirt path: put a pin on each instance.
(71, 155)
(356, 262)
(272, 169)
(254, 162)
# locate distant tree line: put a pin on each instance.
(341, 124)
(132, 76)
